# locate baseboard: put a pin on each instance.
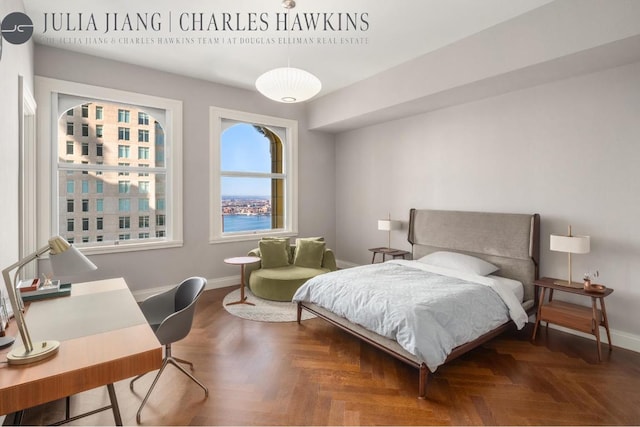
(345, 264)
(221, 282)
(620, 339)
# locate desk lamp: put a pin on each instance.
(570, 244)
(64, 258)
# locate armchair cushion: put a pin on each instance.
(274, 253)
(309, 253)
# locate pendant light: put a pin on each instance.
(288, 84)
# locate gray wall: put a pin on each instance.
(157, 268)
(17, 60)
(568, 150)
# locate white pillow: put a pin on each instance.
(460, 262)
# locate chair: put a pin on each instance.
(170, 315)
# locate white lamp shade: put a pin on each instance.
(288, 84)
(571, 244)
(388, 225)
(66, 260)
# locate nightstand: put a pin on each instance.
(395, 253)
(573, 316)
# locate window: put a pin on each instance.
(102, 191)
(143, 187)
(124, 205)
(143, 221)
(160, 220)
(99, 223)
(123, 134)
(143, 153)
(160, 204)
(70, 147)
(86, 172)
(143, 235)
(85, 110)
(99, 131)
(143, 118)
(85, 148)
(85, 205)
(123, 151)
(99, 238)
(253, 175)
(143, 173)
(124, 187)
(85, 224)
(69, 128)
(123, 116)
(160, 233)
(143, 205)
(70, 224)
(70, 205)
(70, 112)
(125, 222)
(85, 239)
(125, 236)
(85, 129)
(143, 135)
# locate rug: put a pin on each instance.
(263, 310)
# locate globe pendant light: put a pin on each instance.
(288, 84)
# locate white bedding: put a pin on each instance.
(427, 310)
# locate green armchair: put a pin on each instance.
(280, 283)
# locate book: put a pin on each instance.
(59, 290)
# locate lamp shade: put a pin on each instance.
(388, 225)
(288, 84)
(70, 262)
(571, 244)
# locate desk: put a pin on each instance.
(97, 346)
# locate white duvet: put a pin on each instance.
(428, 310)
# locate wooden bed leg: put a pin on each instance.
(299, 313)
(422, 387)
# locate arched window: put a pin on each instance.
(253, 175)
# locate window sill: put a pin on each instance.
(243, 237)
(129, 247)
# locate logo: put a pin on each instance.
(17, 28)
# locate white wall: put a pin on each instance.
(16, 60)
(568, 150)
(156, 268)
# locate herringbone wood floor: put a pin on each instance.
(314, 374)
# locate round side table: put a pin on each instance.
(241, 261)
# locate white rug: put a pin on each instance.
(263, 310)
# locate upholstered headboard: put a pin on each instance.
(509, 241)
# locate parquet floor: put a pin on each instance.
(314, 374)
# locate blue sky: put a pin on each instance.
(245, 149)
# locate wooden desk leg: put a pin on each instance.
(595, 325)
(114, 404)
(606, 322)
(540, 301)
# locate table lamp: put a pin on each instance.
(388, 225)
(64, 258)
(569, 244)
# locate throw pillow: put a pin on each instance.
(309, 253)
(274, 253)
(288, 244)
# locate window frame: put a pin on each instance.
(290, 159)
(47, 90)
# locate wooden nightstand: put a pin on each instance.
(573, 316)
(395, 253)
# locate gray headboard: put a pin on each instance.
(509, 241)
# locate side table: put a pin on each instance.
(395, 253)
(573, 316)
(241, 261)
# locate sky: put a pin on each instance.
(237, 142)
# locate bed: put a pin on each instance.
(507, 241)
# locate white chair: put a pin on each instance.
(170, 315)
